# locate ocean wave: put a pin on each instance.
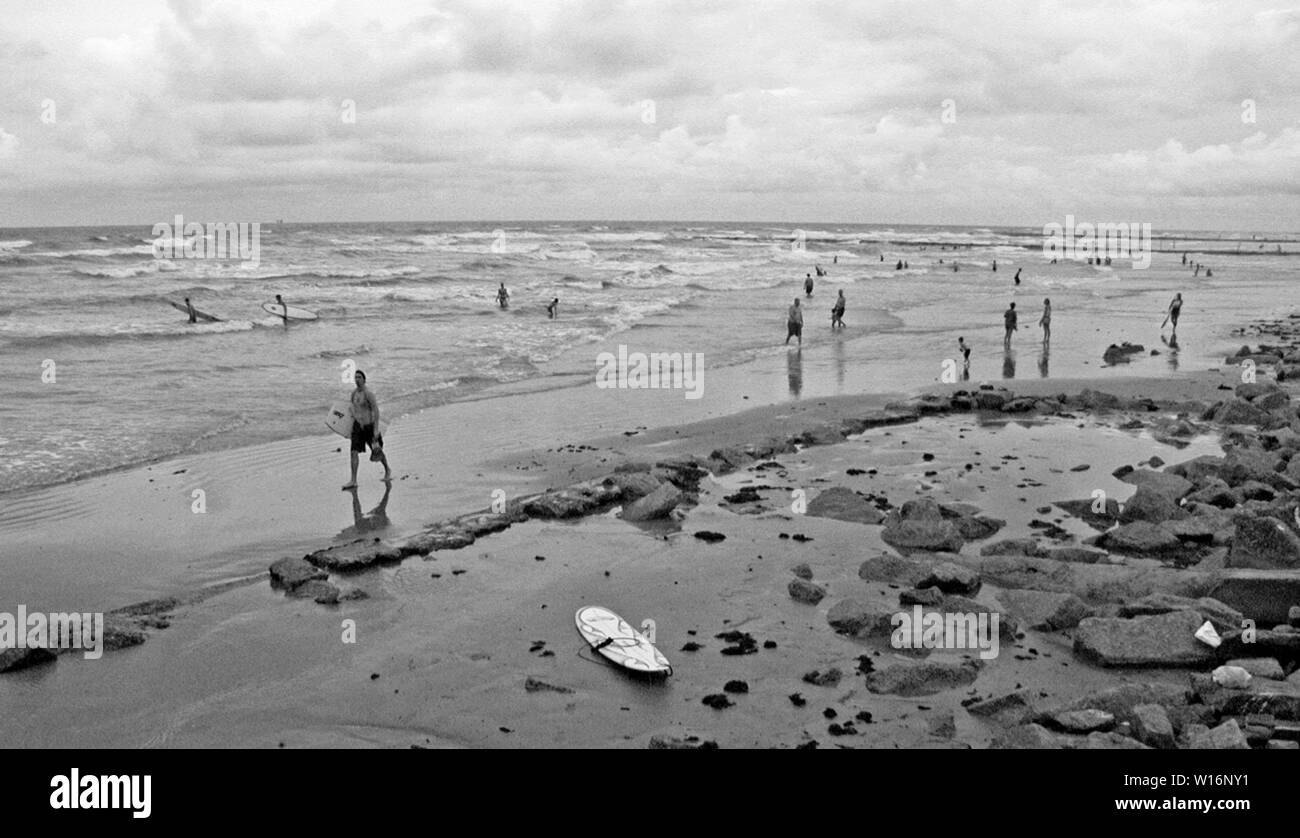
(126, 331)
(14, 244)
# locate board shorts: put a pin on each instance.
(362, 436)
(796, 330)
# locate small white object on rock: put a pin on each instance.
(1207, 635)
(1232, 677)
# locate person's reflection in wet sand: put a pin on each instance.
(1008, 364)
(839, 363)
(375, 519)
(794, 371)
(1172, 355)
(1043, 359)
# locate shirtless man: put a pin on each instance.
(285, 307)
(794, 323)
(1175, 308)
(190, 308)
(503, 296)
(1009, 320)
(365, 430)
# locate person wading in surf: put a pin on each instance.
(365, 430)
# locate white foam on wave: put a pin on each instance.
(14, 244)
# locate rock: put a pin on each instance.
(12, 660)
(1273, 402)
(1238, 412)
(633, 485)
(657, 504)
(1231, 677)
(1078, 555)
(1112, 741)
(1224, 617)
(1014, 547)
(801, 590)
(1150, 505)
(1259, 667)
(922, 678)
(292, 572)
(1163, 640)
(921, 509)
(1263, 595)
(1083, 721)
(1045, 610)
(1165, 483)
(989, 400)
(666, 742)
(565, 503)
(1142, 538)
(718, 701)
(844, 505)
(1121, 701)
(1152, 727)
(893, 569)
(1008, 709)
(856, 619)
(930, 536)
(1228, 737)
(1263, 543)
(1028, 737)
(951, 579)
(323, 592)
(537, 685)
(1120, 354)
(978, 527)
(1094, 400)
(357, 555)
(921, 596)
(1102, 519)
(829, 678)
(802, 570)
(1253, 390)
(708, 536)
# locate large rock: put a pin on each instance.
(929, 536)
(1165, 640)
(1014, 547)
(1078, 555)
(1263, 595)
(1045, 610)
(801, 590)
(635, 484)
(1143, 538)
(921, 509)
(1099, 519)
(292, 572)
(11, 660)
(1264, 544)
(1165, 483)
(894, 569)
(658, 504)
(951, 579)
(1152, 727)
(844, 504)
(1223, 617)
(357, 555)
(922, 678)
(857, 619)
(1238, 412)
(1198, 469)
(1148, 504)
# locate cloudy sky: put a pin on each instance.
(985, 112)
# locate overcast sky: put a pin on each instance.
(130, 111)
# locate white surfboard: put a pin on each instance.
(292, 312)
(199, 314)
(339, 419)
(613, 638)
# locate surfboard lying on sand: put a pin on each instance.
(200, 315)
(339, 419)
(293, 312)
(611, 636)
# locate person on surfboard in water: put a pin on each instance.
(503, 296)
(365, 430)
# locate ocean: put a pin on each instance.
(103, 374)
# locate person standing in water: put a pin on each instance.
(995, 266)
(1018, 270)
(808, 285)
(284, 309)
(1175, 308)
(1009, 320)
(837, 313)
(1046, 321)
(365, 430)
(553, 307)
(794, 323)
(194, 317)
(503, 296)
(964, 348)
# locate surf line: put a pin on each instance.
(653, 371)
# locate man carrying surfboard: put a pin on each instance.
(189, 307)
(285, 307)
(365, 430)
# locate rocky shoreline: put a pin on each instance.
(1198, 571)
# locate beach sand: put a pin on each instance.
(446, 644)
